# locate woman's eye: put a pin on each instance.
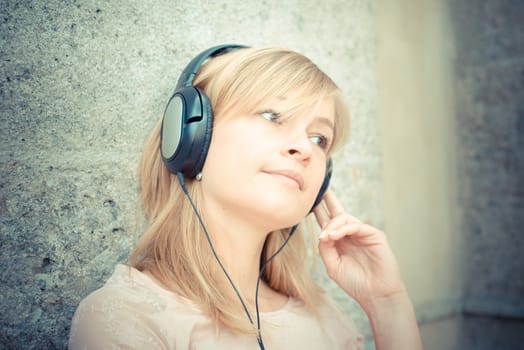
(272, 116)
(320, 141)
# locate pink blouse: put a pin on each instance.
(131, 311)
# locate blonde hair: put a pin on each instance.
(174, 247)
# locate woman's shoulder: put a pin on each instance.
(340, 324)
(325, 325)
(127, 290)
(128, 309)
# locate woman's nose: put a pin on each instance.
(299, 147)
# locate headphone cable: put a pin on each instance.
(184, 188)
(261, 271)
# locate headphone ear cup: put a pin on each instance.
(187, 122)
(205, 138)
(186, 131)
(325, 184)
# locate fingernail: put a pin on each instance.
(322, 234)
(332, 233)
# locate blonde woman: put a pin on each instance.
(239, 159)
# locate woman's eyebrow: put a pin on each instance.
(326, 121)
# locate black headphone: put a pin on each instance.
(188, 121)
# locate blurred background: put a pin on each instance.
(451, 79)
(436, 157)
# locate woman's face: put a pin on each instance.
(268, 166)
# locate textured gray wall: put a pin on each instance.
(489, 68)
(81, 84)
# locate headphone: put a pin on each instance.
(188, 121)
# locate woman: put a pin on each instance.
(239, 159)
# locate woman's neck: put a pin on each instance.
(239, 246)
(238, 242)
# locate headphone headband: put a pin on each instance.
(189, 73)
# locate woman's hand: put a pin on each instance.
(358, 258)
(356, 255)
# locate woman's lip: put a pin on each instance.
(293, 175)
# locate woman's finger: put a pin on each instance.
(337, 222)
(333, 205)
(343, 230)
(361, 234)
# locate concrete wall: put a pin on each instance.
(82, 82)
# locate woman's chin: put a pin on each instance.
(280, 217)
